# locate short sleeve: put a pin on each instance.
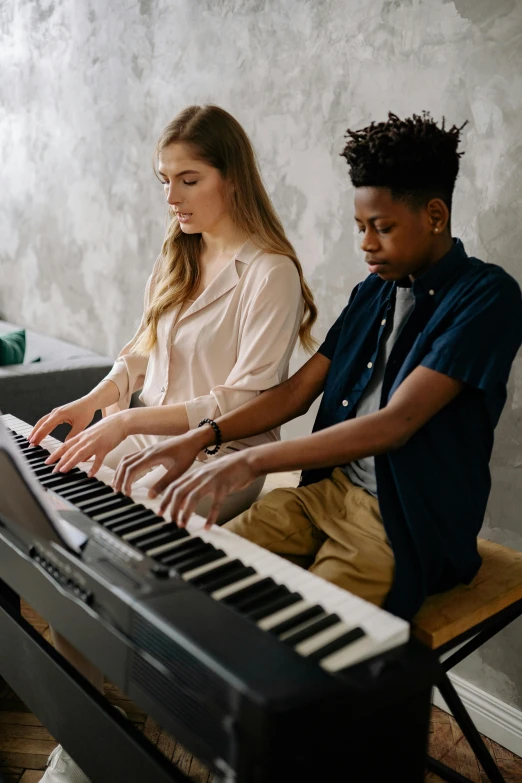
(481, 341)
(327, 348)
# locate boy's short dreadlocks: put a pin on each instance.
(415, 158)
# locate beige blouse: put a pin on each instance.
(234, 341)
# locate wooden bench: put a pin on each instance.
(471, 614)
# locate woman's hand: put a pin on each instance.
(215, 479)
(96, 442)
(78, 414)
(175, 454)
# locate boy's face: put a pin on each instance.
(398, 240)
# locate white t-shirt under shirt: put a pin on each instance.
(362, 471)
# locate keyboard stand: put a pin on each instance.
(106, 746)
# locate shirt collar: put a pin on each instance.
(438, 275)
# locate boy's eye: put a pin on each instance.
(192, 182)
(385, 230)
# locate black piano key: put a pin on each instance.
(251, 590)
(342, 641)
(206, 558)
(35, 455)
(44, 470)
(181, 552)
(192, 559)
(319, 625)
(84, 496)
(273, 606)
(87, 485)
(262, 600)
(228, 579)
(227, 568)
(121, 524)
(58, 481)
(298, 619)
(168, 532)
(112, 503)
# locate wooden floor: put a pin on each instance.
(25, 744)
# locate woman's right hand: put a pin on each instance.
(78, 414)
(175, 454)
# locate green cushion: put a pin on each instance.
(12, 347)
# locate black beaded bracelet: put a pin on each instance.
(216, 429)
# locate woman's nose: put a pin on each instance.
(172, 196)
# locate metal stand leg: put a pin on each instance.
(470, 732)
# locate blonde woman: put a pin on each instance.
(224, 306)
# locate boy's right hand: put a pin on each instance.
(78, 414)
(176, 454)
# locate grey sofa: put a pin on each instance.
(63, 373)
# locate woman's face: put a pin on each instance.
(196, 191)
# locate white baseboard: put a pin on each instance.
(492, 717)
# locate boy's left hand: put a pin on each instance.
(215, 479)
(95, 442)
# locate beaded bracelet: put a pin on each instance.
(216, 429)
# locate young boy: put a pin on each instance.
(413, 374)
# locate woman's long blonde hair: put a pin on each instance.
(219, 140)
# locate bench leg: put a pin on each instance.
(469, 730)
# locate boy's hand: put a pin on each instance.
(175, 454)
(215, 479)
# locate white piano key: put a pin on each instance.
(283, 614)
(160, 549)
(143, 531)
(204, 569)
(224, 592)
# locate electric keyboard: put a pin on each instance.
(206, 630)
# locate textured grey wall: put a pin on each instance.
(85, 87)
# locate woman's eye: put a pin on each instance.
(164, 182)
(384, 230)
(193, 182)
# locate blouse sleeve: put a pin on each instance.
(128, 372)
(267, 337)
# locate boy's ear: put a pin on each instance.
(438, 215)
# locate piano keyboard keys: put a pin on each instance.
(315, 618)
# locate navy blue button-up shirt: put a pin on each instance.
(467, 324)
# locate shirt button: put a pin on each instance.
(431, 292)
(345, 403)
(383, 321)
(369, 365)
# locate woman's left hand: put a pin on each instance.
(215, 479)
(95, 442)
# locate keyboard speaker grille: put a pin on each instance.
(191, 693)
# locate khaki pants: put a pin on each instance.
(333, 528)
